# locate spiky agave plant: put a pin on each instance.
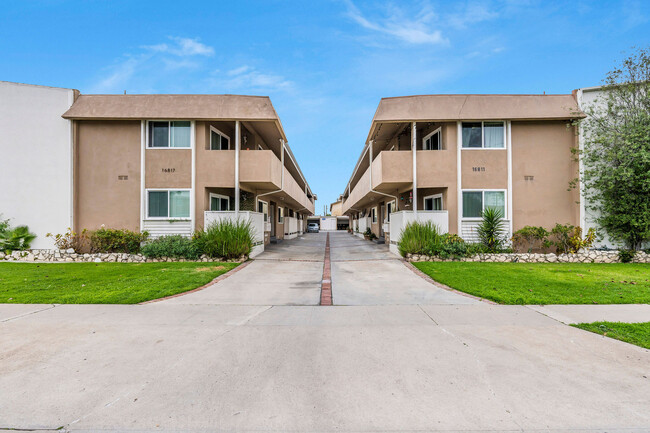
(491, 229)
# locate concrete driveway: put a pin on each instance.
(366, 273)
(237, 356)
(288, 273)
(167, 367)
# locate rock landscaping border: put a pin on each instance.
(591, 256)
(57, 256)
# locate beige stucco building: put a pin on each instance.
(160, 162)
(444, 158)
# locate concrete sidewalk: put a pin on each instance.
(570, 314)
(167, 367)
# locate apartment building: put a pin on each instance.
(170, 164)
(445, 158)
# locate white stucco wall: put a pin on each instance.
(588, 96)
(35, 159)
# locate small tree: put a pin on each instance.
(491, 229)
(615, 178)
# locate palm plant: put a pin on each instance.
(17, 238)
(491, 229)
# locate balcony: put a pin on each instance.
(260, 169)
(393, 171)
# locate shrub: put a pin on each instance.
(490, 230)
(529, 238)
(116, 241)
(626, 256)
(172, 246)
(77, 241)
(15, 238)
(226, 239)
(417, 238)
(568, 238)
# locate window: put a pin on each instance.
(486, 135)
(170, 134)
(433, 141)
(263, 208)
(218, 140)
(374, 215)
(219, 202)
(474, 202)
(433, 202)
(168, 204)
(281, 215)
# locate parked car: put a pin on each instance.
(312, 228)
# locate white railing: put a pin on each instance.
(301, 227)
(469, 234)
(157, 228)
(257, 223)
(290, 227)
(399, 220)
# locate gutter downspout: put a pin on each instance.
(237, 146)
(414, 148)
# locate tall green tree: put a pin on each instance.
(615, 172)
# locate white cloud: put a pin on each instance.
(418, 29)
(472, 13)
(182, 47)
(246, 77)
(117, 79)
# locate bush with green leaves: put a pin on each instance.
(116, 241)
(17, 238)
(176, 246)
(616, 154)
(529, 238)
(491, 230)
(626, 256)
(226, 239)
(568, 239)
(417, 238)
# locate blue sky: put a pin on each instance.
(325, 64)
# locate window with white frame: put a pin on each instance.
(281, 215)
(374, 215)
(218, 140)
(475, 202)
(433, 202)
(175, 134)
(168, 204)
(484, 135)
(263, 208)
(219, 202)
(433, 141)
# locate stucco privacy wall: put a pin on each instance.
(36, 163)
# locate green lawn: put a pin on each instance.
(633, 333)
(102, 283)
(546, 283)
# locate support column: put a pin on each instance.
(414, 148)
(237, 148)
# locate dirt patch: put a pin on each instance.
(210, 268)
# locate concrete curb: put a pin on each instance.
(424, 276)
(215, 281)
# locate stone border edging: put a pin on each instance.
(69, 256)
(430, 280)
(198, 289)
(591, 256)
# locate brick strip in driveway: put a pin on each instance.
(326, 284)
